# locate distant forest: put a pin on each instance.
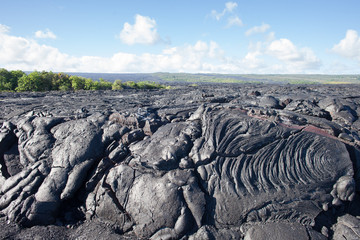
(48, 81)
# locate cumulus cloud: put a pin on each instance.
(257, 29)
(143, 31)
(285, 51)
(229, 7)
(27, 54)
(276, 56)
(45, 34)
(4, 28)
(349, 47)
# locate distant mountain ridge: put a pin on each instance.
(162, 77)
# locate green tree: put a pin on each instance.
(25, 83)
(15, 76)
(35, 81)
(61, 81)
(5, 84)
(9, 80)
(46, 81)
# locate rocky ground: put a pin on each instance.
(194, 162)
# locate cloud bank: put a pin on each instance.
(269, 56)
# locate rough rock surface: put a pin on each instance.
(207, 162)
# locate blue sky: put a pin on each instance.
(245, 36)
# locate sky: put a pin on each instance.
(193, 36)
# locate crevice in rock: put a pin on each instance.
(354, 154)
(4, 171)
(114, 199)
(208, 216)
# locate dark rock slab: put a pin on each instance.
(347, 227)
(282, 231)
(266, 171)
(207, 162)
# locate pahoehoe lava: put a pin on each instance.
(205, 162)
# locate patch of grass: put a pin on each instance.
(339, 82)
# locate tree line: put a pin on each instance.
(48, 81)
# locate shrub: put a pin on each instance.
(117, 85)
(88, 84)
(130, 84)
(149, 85)
(77, 83)
(104, 85)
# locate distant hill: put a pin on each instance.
(199, 78)
(260, 78)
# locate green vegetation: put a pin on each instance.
(259, 78)
(144, 85)
(9, 80)
(117, 85)
(49, 81)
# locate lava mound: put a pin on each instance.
(246, 167)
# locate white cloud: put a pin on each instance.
(26, 54)
(4, 28)
(234, 21)
(253, 61)
(349, 46)
(257, 29)
(200, 57)
(143, 31)
(270, 37)
(45, 34)
(284, 50)
(296, 59)
(276, 56)
(229, 7)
